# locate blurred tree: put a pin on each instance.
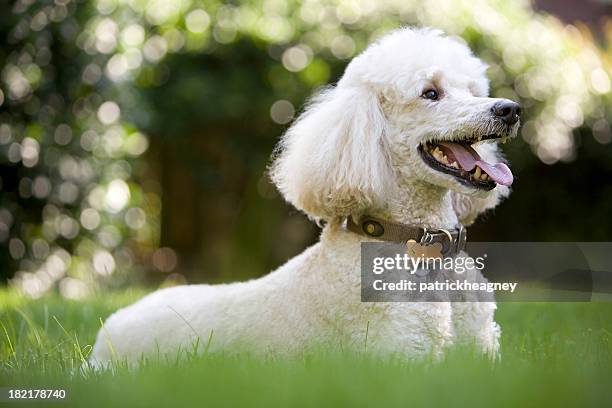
(213, 85)
(70, 213)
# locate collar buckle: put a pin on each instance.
(441, 236)
(427, 237)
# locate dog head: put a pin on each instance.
(413, 105)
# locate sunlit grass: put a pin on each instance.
(552, 355)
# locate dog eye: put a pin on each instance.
(431, 94)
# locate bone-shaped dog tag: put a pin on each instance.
(416, 250)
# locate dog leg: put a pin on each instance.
(474, 324)
(418, 329)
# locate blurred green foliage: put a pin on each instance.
(129, 124)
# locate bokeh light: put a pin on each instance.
(78, 79)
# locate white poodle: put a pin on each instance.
(396, 139)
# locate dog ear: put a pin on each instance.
(467, 207)
(333, 161)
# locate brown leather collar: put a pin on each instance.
(452, 241)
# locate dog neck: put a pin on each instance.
(418, 203)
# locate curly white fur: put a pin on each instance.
(352, 151)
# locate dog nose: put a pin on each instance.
(509, 112)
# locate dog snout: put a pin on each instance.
(507, 111)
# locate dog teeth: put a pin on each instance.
(439, 156)
(442, 158)
(479, 174)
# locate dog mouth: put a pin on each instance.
(459, 159)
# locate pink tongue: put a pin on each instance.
(468, 158)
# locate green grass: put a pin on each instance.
(552, 355)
